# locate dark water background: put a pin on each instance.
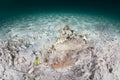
(13, 8)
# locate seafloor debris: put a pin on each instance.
(66, 49)
(71, 57)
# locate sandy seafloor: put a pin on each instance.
(40, 31)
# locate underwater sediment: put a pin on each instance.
(60, 47)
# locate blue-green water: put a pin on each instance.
(79, 20)
(47, 23)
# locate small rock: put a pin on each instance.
(31, 71)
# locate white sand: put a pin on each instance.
(38, 33)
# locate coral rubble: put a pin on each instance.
(72, 57)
